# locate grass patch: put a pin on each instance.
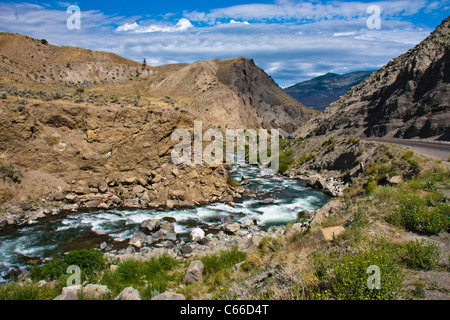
(423, 254)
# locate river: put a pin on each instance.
(56, 235)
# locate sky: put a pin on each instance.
(291, 40)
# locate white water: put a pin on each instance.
(47, 239)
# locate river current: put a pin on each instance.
(56, 235)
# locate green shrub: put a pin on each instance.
(423, 254)
(51, 270)
(153, 276)
(225, 259)
(370, 187)
(15, 291)
(232, 182)
(8, 171)
(350, 280)
(414, 215)
(285, 160)
(89, 261)
(407, 155)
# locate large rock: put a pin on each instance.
(194, 272)
(197, 234)
(166, 225)
(151, 225)
(329, 234)
(129, 293)
(169, 296)
(70, 293)
(95, 291)
(139, 239)
(233, 228)
(331, 208)
(268, 201)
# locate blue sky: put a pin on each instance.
(291, 40)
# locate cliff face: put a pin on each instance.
(320, 92)
(91, 128)
(409, 97)
(233, 93)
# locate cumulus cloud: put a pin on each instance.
(182, 25)
(288, 10)
(289, 52)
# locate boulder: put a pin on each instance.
(178, 194)
(116, 200)
(139, 239)
(329, 234)
(233, 228)
(151, 225)
(170, 204)
(267, 201)
(396, 180)
(251, 244)
(248, 223)
(315, 182)
(166, 225)
(69, 293)
(129, 293)
(197, 234)
(95, 291)
(186, 249)
(194, 272)
(138, 189)
(169, 296)
(71, 198)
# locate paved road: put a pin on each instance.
(434, 150)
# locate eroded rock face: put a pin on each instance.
(409, 97)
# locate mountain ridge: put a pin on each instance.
(406, 98)
(318, 93)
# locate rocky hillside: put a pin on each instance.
(407, 98)
(92, 129)
(320, 92)
(222, 93)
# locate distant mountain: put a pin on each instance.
(409, 97)
(318, 93)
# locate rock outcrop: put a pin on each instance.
(407, 98)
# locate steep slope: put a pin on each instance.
(233, 93)
(93, 126)
(222, 93)
(318, 93)
(409, 97)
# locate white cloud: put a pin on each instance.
(182, 25)
(289, 52)
(232, 21)
(283, 10)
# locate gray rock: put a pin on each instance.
(116, 200)
(248, 223)
(233, 228)
(228, 220)
(186, 249)
(268, 201)
(139, 239)
(169, 296)
(70, 293)
(197, 234)
(138, 189)
(194, 272)
(129, 293)
(166, 225)
(151, 225)
(95, 291)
